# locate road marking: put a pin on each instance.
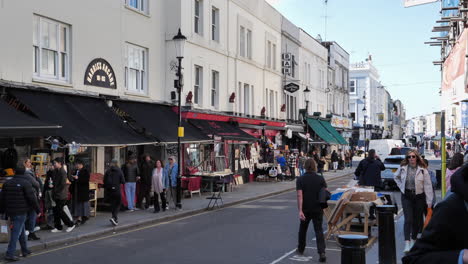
(299, 257)
(253, 206)
(157, 224)
(283, 257)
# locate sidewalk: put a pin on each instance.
(100, 225)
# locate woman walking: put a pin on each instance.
(334, 159)
(79, 190)
(158, 187)
(455, 164)
(415, 185)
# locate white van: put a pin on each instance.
(383, 147)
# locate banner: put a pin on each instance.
(341, 122)
(410, 3)
(464, 114)
(454, 65)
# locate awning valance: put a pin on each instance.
(161, 121)
(84, 120)
(320, 130)
(14, 123)
(222, 129)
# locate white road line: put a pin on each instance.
(283, 257)
(331, 249)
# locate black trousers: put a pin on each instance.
(115, 200)
(144, 193)
(317, 220)
(413, 209)
(156, 201)
(60, 215)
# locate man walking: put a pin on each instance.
(113, 178)
(17, 199)
(146, 172)
(308, 187)
(369, 170)
(60, 195)
(132, 174)
(170, 179)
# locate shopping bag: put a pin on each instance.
(4, 231)
(67, 212)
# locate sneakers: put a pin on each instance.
(407, 247)
(69, 229)
(12, 258)
(114, 222)
(412, 243)
(26, 232)
(37, 228)
(322, 257)
(300, 251)
(33, 236)
(26, 253)
(55, 230)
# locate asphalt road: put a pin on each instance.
(261, 231)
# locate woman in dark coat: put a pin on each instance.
(79, 190)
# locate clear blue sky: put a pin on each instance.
(394, 35)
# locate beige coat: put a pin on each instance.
(423, 182)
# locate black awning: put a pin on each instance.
(222, 129)
(161, 122)
(14, 123)
(84, 120)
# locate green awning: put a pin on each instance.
(321, 131)
(335, 133)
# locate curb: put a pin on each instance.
(126, 227)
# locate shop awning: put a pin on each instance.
(14, 123)
(222, 129)
(161, 122)
(321, 131)
(333, 131)
(84, 120)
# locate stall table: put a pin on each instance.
(212, 177)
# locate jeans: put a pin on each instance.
(17, 233)
(317, 219)
(156, 201)
(130, 188)
(301, 171)
(60, 215)
(413, 209)
(335, 165)
(31, 221)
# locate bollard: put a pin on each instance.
(353, 249)
(387, 248)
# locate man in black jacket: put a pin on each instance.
(445, 239)
(17, 199)
(113, 179)
(369, 169)
(60, 195)
(146, 175)
(308, 187)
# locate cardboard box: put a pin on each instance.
(364, 196)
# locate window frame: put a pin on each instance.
(198, 17)
(353, 87)
(141, 87)
(273, 48)
(242, 41)
(198, 85)
(248, 40)
(142, 6)
(246, 94)
(214, 98)
(61, 53)
(215, 23)
(268, 62)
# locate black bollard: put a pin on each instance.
(387, 247)
(353, 249)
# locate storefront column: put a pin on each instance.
(100, 160)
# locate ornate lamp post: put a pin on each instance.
(306, 94)
(364, 112)
(179, 42)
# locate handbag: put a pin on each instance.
(4, 231)
(324, 196)
(273, 172)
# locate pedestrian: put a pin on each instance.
(281, 160)
(308, 187)
(49, 202)
(79, 190)
(113, 179)
(455, 163)
(347, 158)
(292, 161)
(146, 173)
(319, 163)
(334, 159)
(415, 185)
(369, 170)
(170, 178)
(158, 187)
(32, 216)
(17, 198)
(302, 160)
(60, 195)
(132, 174)
(351, 156)
(445, 238)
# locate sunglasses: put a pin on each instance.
(411, 157)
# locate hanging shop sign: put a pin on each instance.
(291, 87)
(100, 73)
(380, 117)
(287, 63)
(341, 122)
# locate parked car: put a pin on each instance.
(392, 164)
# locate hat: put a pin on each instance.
(173, 158)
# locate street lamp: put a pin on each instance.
(306, 93)
(179, 42)
(327, 90)
(364, 111)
